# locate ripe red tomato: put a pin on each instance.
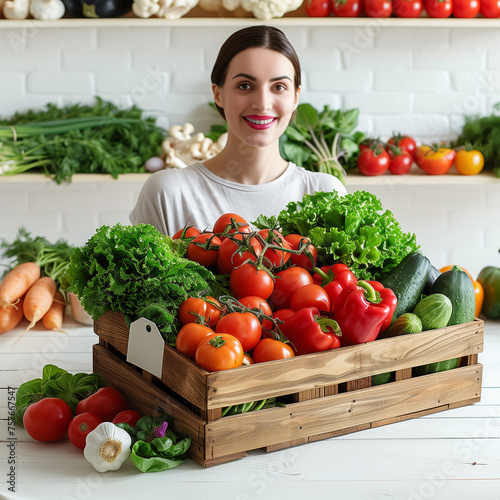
(130, 417)
(311, 296)
(220, 351)
(286, 283)
(233, 253)
(253, 302)
(438, 8)
(190, 336)
(401, 163)
(270, 350)
(186, 232)
(377, 8)
(346, 8)
(47, 419)
(230, 223)
(317, 8)
(276, 258)
(372, 162)
(106, 403)
(248, 280)
(408, 8)
(204, 249)
(465, 8)
(80, 426)
(490, 8)
(309, 256)
(403, 142)
(244, 326)
(194, 307)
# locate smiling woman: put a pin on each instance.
(256, 83)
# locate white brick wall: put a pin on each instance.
(418, 81)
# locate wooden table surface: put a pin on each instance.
(449, 455)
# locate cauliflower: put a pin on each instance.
(263, 9)
(168, 9)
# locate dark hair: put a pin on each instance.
(265, 37)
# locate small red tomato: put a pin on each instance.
(286, 283)
(254, 302)
(438, 8)
(346, 8)
(130, 417)
(80, 426)
(465, 8)
(311, 296)
(373, 162)
(309, 256)
(47, 419)
(270, 350)
(408, 8)
(186, 232)
(377, 8)
(401, 163)
(244, 326)
(491, 9)
(106, 403)
(403, 142)
(275, 257)
(317, 8)
(193, 308)
(248, 280)
(230, 223)
(204, 249)
(189, 337)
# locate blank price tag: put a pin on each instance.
(145, 346)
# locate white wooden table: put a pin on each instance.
(450, 455)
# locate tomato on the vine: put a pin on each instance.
(408, 8)
(186, 232)
(435, 160)
(286, 283)
(373, 162)
(253, 302)
(465, 8)
(403, 142)
(189, 337)
(220, 351)
(80, 426)
(438, 8)
(237, 249)
(276, 257)
(317, 8)
(377, 8)
(230, 223)
(401, 163)
(130, 417)
(244, 326)
(346, 8)
(47, 419)
(194, 307)
(248, 280)
(270, 350)
(469, 162)
(106, 403)
(311, 296)
(309, 256)
(204, 249)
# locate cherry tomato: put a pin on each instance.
(204, 249)
(317, 8)
(230, 223)
(469, 162)
(47, 419)
(190, 336)
(248, 280)
(270, 350)
(286, 283)
(373, 162)
(403, 142)
(490, 8)
(282, 314)
(377, 8)
(275, 257)
(220, 351)
(232, 253)
(80, 426)
(346, 8)
(244, 326)
(311, 296)
(186, 232)
(106, 403)
(130, 417)
(465, 8)
(253, 302)
(401, 163)
(194, 307)
(438, 8)
(309, 256)
(435, 161)
(408, 8)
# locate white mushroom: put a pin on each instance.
(16, 9)
(47, 10)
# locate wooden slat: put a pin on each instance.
(317, 392)
(360, 383)
(334, 413)
(403, 374)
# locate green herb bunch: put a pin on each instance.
(138, 271)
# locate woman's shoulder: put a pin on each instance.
(318, 181)
(173, 177)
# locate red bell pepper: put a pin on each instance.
(389, 298)
(309, 332)
(334, 279)
(360, 311)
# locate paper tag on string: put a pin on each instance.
(146, 346)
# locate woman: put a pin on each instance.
(256, 84)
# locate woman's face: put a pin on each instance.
(258, 96)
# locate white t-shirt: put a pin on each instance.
(172, 197)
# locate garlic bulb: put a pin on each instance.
(107, 447)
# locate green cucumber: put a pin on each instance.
(433, 275)
(458, 287)
(439, 366)
(434, 311)
(407, 323)
(407, 281)
(383, 378)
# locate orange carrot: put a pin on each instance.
(38, 300)
(53, 318)
(10, 317)
(17, 282)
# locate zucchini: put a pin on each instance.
(434, 311)
(383, 378)
(439, 366)
(407, 323)
(407, 281)
(458, 287)
(433, 275)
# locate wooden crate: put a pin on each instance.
(327, 394)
